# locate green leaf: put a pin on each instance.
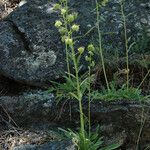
(74, 95)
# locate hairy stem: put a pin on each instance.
(126, 43)
(89, 101)
(100, 45)
(79, 94)
(66, 46)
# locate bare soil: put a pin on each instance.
(7, 6)
(11, 135)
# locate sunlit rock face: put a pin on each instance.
(31, 51)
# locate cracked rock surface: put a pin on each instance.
(29, 51)
(31, 54)
(120, 120)
(30, 48)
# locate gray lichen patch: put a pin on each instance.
(47, 58)
(31, 50)
(44, 59)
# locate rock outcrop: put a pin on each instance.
(31, 54)
(30, 48)
(120, 121)
(55, 145)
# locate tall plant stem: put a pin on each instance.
(78, 93)
(89, 101)
(144, 79)
(67, 61)
(100, 44)
(126, 43)
(66, 46)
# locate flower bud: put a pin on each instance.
(87, 58)
(63, 11)
(58, 23)
(91, 47)
(68, 41)
(91, 53)
(93, 64)
(63, 38)
(104, 2)
(57, 6)
(126, 71)
(75, 27)
(70, 18)
(81, 50)
(62, 30)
